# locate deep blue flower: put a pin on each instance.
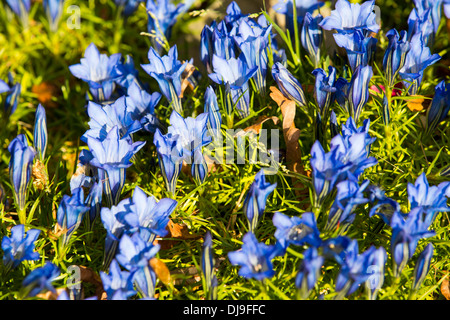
(395, 54)
(111, 220)
(420, 22)
(341, 94)
(113, 155)
(105, 117)
(255, 258)
(54, 9)
(435, 7)
(255, 201)
(128, 6)
(99, 71)
(127, 74)
(40, 279)
(360, 49)
(358, 93)
(296, 230)
(223, 43)
(206, 45)
(288, 84)
(336, 248)
(384, 207)
(439, 108)
(19, 247)
(148, 216)
(20, 164)
(348, 17)
(167, 71)
(349, 195)
(170, 158)
(234, 74)
(117, 284)
(70, 213)
(40, 132)
(309, 271)
(211, 107)
(405, 235)
(418, 58)
(13, 91)
(312, 37)
(422, 266)
(324, 89)
(432, 199)
(94, 201)
(208, 267)
(141, 107)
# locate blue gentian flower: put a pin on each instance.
(349, 195)
(360, 49)
(167, 71)
(20, 164)
(324, 89)
(208, 267)
(289, 86)
(255, 201)
(435, 7)
(19, 247)
(418, 58)
(206, 45)
(348, 17)
(439, 108)
(94, 201)
(253, 42)
(303, 7)
(111, 220)
(395, 55)
(192, 136)
(211, 107)
(358, 93)
(148, 216)
(40, 279)
(432, 199)
(13, 93)
(141, 107)
(233, 14)
(162, 16)
(296, 230)
(405, 235)
(422, 266)
(99, 71)
(134, 255)
(40, 132)
(117, 284)
(234, 74)
(341, 94)
(377, 262)
(309, 271)
(384, 207)
(107, 116)
(127, 74)
(223, 43)
(420, 22)
(54, 9)
(128, 6)
(312, 37)
(255, 258)
(113, 155)
(70, 212)
(336, 248)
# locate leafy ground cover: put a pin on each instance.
(113, 112)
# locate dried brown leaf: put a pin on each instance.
(45, 92)
(445, 288)
(161, 270)
(256, 128)
(185, 83)
(418, 104)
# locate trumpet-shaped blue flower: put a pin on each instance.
(358, 93)
(435, 7)
(70, 213)
(312, 37)
(432, 199)
(341, 94)
(296, 230)
(19, 247)
(288, 84)
(211, 107)
(336, 248)
(255, 258)
(440, 106)
(234, 74)
(113, 155)
(255, 201)
(309, 271)
(324, 89)
(418, 58)
(105, 117)
(141, 107)
(348, 17)
(13, 91)
(54, 9)
(208, 267)
(360, 49)
(420, 22)
(127, 74)
(117, 284)
(40, 132)
(167, 71)
(99, 71)
(148, 216)
(111, 220)
(223, 42)
(40, 279)
(20, 164)
(422, 266)
(395, 54)
(406, 232)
